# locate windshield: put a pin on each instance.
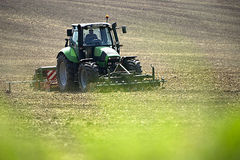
(96, 36)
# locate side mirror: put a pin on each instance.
(124, 29)
(69, 32)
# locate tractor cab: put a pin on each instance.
(89, 39)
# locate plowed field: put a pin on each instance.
(194, 44)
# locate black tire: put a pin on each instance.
(65, 74)
(133, 65)
(87, 73)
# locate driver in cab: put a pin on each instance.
(90, 37)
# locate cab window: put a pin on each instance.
(75, 36)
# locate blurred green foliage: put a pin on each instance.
(17, 141)
(129, 126)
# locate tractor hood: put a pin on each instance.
(103, 54)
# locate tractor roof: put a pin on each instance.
(98, 24)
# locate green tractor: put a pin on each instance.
(92, 55)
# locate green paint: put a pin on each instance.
(110, 52)
(98, 51)
(70, 54)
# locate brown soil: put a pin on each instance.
(32, 32)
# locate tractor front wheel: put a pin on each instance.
(87, 73)
(133, 65)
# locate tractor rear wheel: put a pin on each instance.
(133, 65)
(87, 73)
(65, 73)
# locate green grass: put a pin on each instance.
(20, 139)
(17, 142)
(160, 125)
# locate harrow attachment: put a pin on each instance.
(126, 79)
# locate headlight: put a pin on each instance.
(113, 59)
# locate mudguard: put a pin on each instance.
(70, 54)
